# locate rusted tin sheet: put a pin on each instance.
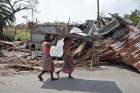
(108, 55)
(125, 40)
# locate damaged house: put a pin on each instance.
(122, 41)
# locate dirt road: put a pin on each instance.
(103, 80)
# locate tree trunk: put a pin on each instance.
(13, 38)
(1, 32)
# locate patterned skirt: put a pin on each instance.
(48, 64)
(68, 64)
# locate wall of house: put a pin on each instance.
(38, 38)
(39, 31)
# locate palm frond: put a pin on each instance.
(8, 10)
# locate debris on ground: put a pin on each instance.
(115, 42)
(19, 61)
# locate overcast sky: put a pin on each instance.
(78, 10)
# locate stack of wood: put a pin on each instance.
(21, 64)
(85, 55)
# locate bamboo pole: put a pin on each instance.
(98, 14)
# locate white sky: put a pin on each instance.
(78, 10)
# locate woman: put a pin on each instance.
(68, 61)
(48, 65)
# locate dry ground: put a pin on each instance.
(108, 79)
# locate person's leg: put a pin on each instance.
(52, 78)
(40, 75)
(58, 73)
(52, 70)
(70, 76)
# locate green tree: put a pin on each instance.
(8, 9)
(134, 16)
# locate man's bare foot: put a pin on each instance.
(40, 78)
(53, 79)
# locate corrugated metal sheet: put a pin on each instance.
(125, 40)
(42, 29)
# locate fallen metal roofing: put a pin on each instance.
(125, 41)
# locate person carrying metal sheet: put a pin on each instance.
(68, 66)
(48, 65)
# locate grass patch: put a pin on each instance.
(21, 34)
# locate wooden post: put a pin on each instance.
(98, 14)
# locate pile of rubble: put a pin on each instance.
(120, 44)
(116, 42)
(18, 60)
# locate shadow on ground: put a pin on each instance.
(81, 85)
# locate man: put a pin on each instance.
(48, 65)
(68, 61)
